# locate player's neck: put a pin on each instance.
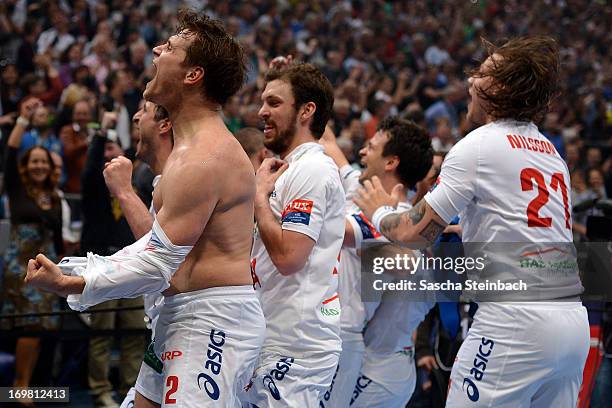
(190, 117)
(388, 181)
(301, 136)
(160, 159)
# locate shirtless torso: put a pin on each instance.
(220, 256)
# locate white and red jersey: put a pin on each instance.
(509, 185)
(355, 312)
(303, 310)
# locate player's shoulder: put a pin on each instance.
(315, 163)
(484, 138)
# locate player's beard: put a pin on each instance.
(283, 139)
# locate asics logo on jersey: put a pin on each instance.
(278, 373)
(478, 370)
(213, 363)
(362, 383)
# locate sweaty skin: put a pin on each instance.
(220, 256)
(206, 193)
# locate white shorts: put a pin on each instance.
(207, 342)
(522, 355)
(386, 380)
(349, 365)
(128, 401)
(286, 381)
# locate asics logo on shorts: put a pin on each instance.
(327, 394)
(478, 370)
(362, 383)
(213, 363)
(278, 373)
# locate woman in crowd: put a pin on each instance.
(36, 223)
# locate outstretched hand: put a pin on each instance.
(373, 195)
(43, 274)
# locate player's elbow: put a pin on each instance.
(409, 237)
(288, 265)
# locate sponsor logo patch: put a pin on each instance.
(171, 355)
(367, 229)
(298, 211)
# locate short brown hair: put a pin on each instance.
(213, 49)
(160, 113)
(308, 84)
(524, 78)
(411, 144)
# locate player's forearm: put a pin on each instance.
(135, 212)
(72, 285)
(402, 228)
(147, 268)
(271, 234)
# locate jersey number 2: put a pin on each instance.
(173, 382)
(530, 175)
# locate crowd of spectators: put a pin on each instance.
(82, 58)
(407, 58)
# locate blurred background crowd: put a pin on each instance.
(81, 58)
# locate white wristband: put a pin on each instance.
(23, 121)
(379, 214)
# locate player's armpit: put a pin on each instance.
(416, 228)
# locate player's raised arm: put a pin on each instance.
(416, 228)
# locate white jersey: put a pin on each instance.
(303, 310)
(354, 313)
(509, 185)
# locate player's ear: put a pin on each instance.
(194, 75)
(391, 163)
(308, 111)
(165, 125)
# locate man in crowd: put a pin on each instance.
(251, 140)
